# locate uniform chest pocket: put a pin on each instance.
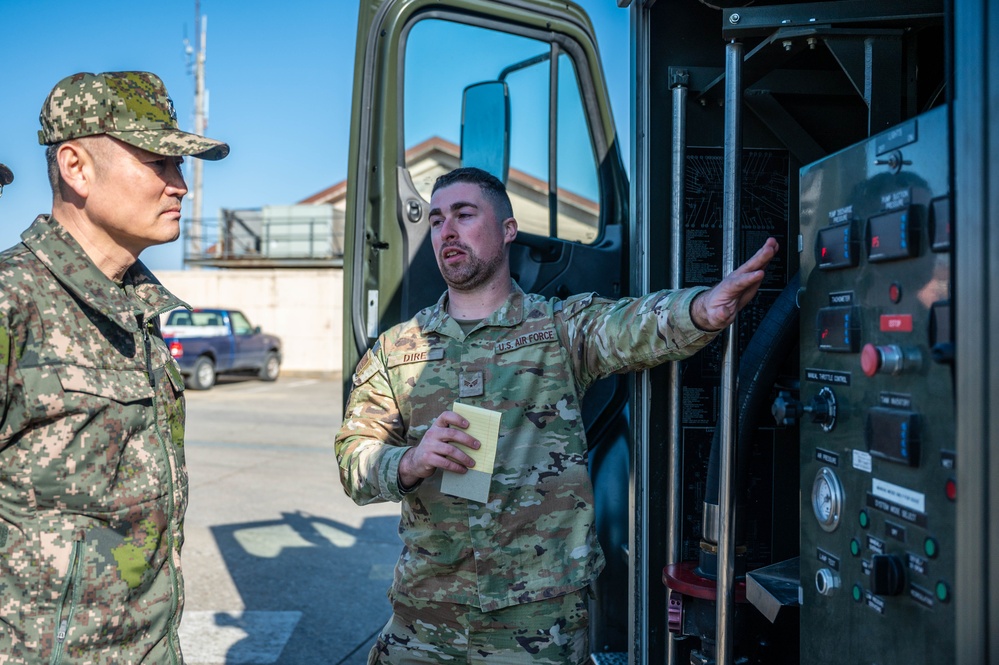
(52, 392)
(90, 418)
(125, 386)
(428, 381)
(118, 398)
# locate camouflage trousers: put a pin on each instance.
(554, 631)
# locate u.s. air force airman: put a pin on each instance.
(93, 485)
(504, 580)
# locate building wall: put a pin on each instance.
(304, 307)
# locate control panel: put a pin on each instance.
(878, 484)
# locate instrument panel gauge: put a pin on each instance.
(827, 499)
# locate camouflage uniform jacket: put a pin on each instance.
(531, 360)
(93, 485)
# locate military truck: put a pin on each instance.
(792, 494)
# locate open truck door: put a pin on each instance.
(514, 88)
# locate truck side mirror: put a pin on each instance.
(485, 128)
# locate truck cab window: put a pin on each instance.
(552, 175)
(240, 325)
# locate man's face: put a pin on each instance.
(135, 197)
(469, 240)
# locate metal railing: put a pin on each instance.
(246, 237)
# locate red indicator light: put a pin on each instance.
(825, 333)
(176, 349)
(824, 250)
(951, 489)
(875, 241)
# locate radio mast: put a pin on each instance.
(200, 122)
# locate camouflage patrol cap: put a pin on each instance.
(133, 107)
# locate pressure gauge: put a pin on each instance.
(827, 499)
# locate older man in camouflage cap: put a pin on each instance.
(503, 580)
(93, 485)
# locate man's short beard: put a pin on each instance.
(473, 274)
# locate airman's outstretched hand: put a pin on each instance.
(716, 308)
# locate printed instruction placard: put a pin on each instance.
(483, 424)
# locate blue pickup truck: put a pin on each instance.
(209, 342)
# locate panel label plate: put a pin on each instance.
(898, 494)
(828, 376)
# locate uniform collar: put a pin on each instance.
(140, 296)
(508, 315)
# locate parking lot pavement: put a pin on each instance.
(280, 565)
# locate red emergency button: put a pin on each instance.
(895, 292)
(887, 359)
(951, 489)
(870, 359)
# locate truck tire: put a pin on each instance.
(203, 375)
(271, 368)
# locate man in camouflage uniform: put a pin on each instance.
(93, 484)
(503, 581)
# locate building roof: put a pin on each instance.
(437, 150)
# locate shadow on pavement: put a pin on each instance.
(313, 588)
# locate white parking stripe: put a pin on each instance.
(235, 638)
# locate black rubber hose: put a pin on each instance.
(758, 368)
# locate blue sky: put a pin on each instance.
(279, 78)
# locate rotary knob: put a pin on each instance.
(887, 575)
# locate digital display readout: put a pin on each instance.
(940, 323)
(893, 435)
(891, 236)
(837, 247)
(837, 329)
(940, 225)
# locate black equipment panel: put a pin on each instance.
(878, 482)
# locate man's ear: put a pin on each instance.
(76, 167)
(509, 230)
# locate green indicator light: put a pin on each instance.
(943, 592)
(854, 547)
(858, 593)
(930, 547)
(864, 520)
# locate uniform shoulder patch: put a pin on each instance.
(368, 366)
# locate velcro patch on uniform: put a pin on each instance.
(368, 367)
(471, 384)
(414, 356)
(535, 337)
